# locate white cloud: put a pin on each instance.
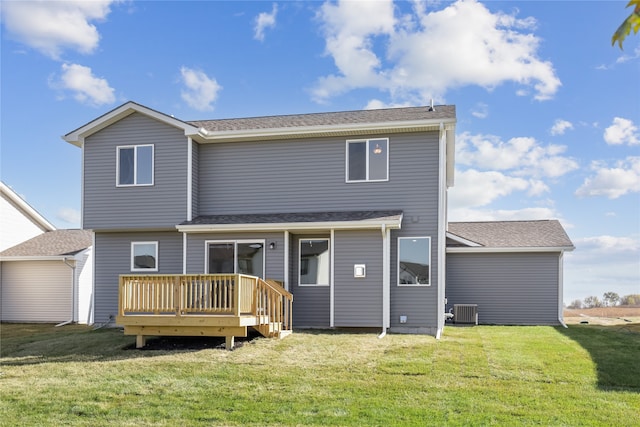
(467, 214)
(85, 87)
(612, 182)
(53, 26)
(263, 21)
(69, 215)
(429, 53)
(201, 91)
(602, 264)
(522, 155)
(481, 110)
(474, 188)
(622, 131)
(560, 127)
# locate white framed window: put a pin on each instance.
(235, 257)
(144, 256)
(134, 165)
(313, 262)
(414, 261)
(367, 160)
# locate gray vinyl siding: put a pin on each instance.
(162, 205)
(195, 175)
(311, 304)
(358, 301)
(274, 258)
(309, 175)
(509, 288)
(113, 258)
(36, 291)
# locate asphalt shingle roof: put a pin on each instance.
(52, 243)
(513, 234)
(328, 119)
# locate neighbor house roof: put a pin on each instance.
(301, 220)
(25, 208)
(52, 244)
(537, 235)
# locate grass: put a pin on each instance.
(484, 375)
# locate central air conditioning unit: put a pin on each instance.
(465, 313)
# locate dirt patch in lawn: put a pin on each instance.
(169, 343)
(603, 315)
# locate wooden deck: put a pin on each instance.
(216, 305)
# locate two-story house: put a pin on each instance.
(348, 210)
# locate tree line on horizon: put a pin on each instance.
(609, 299)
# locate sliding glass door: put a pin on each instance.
(236, 257)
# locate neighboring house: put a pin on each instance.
(346, 209)
(48, 278)
(18, 220)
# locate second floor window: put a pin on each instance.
(135, 165)
(368, 160)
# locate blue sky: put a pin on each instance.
(548, 111)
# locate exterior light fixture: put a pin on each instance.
(272, 245)
(377, 149)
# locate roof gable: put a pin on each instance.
(23, 207)
(76, 137)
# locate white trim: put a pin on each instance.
(442, 226)
(386, 280)
(36, 258)
(429, 257)
(34, 215)
(329, 241)
(286, 260)
(561, 289)
(189, 179)
(510, 249)
(308, 131)
(77, 136)
(135, 165)
(298, 226)
(184, 253)
(367, 164)
(462, 240)
(332, 280)
(156, 244)
(263, 242)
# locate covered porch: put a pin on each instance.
(216, 305)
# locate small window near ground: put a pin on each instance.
(414, 261)
(135, 165)
(314, 268)
(144, 256)
(368, 160)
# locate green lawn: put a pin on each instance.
(484, 375)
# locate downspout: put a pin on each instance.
(561, 290)
(73, 292)
(385, 280)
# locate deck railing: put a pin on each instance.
(206, 294)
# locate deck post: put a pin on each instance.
(141, 341)
(229, 342)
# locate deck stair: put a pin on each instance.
(219, 305)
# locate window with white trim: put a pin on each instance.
(313, 262)
(414, 261)
(236, 257)
(134, 165)
(367, 160)
(144, 256)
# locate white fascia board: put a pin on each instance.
(290, 226)
(256, 134)
(37, 258)
(462, 240)
(26, 208)
(506, 250)
(77, 136)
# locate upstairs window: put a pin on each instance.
(368, 160)
(144, 256)
(135, 165)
